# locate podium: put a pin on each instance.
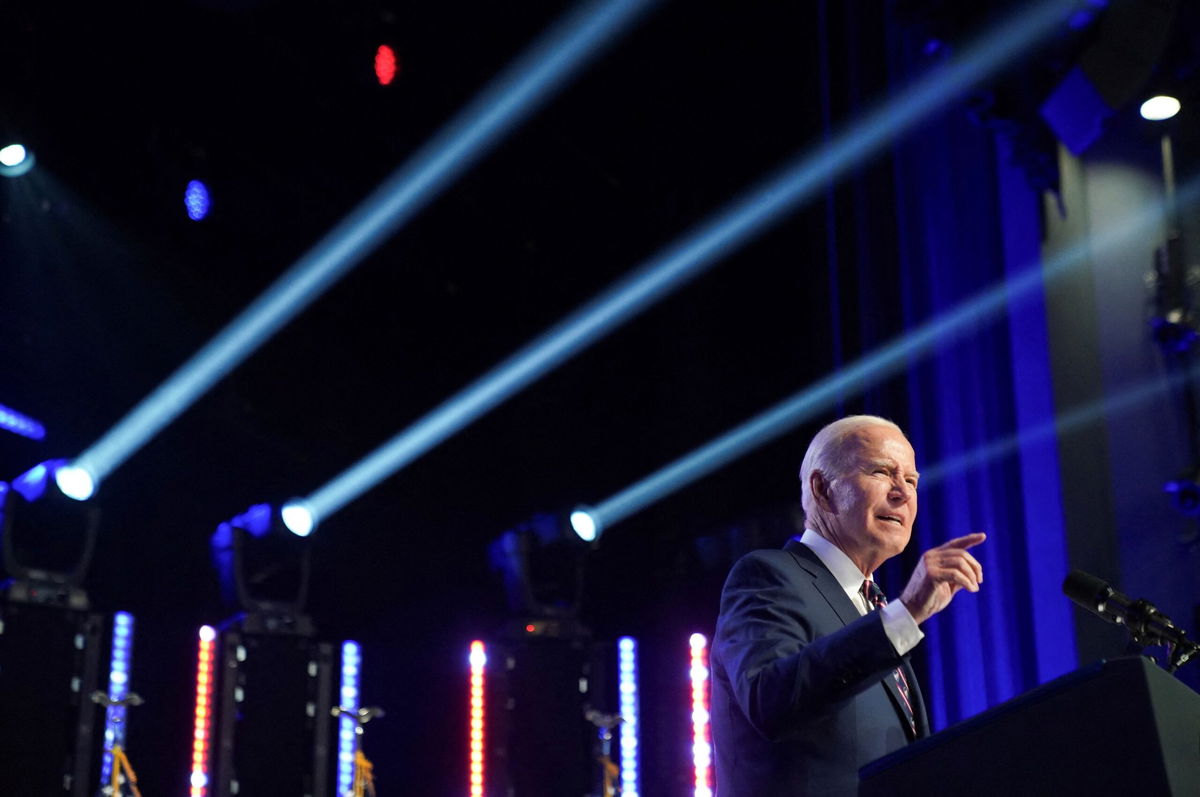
(1120, 726)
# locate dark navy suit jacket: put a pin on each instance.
(802, 691)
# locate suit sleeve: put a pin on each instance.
(786, 654)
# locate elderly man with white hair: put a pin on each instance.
(809, 663)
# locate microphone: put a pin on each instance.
(1148, 625)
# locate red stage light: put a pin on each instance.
(386, 65)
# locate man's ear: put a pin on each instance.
(821, 491)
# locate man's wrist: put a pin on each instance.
(900, 626)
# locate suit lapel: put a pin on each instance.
(847, 612)
(826, 584)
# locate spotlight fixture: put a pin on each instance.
(15, 160)
(585, 524)
(75, 482)
(48, 539)
(298, 517)
(1160, 107)
(263, 567)
(541, 562)
(1185, 493)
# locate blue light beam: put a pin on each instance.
(19, 423)
(1128, 398)
(866, 371)
(517, 92)
(691, 255)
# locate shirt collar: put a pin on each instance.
(848, 576)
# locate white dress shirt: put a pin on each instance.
(898, 624)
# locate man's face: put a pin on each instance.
(875, 499)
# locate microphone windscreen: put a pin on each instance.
(1085, 589)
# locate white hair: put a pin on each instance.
(829, 454)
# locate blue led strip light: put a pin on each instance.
(691, 255)
(19, 423)
(516, 93)
(866, 371)
(627, 677)
(348, 700)
(118, 689)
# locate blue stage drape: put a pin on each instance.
(912, 235)
(967, 222)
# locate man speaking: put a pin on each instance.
(810, 675)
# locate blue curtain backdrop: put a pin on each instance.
(968, 222)
(911, 236)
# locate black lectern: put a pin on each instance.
(1121, 726)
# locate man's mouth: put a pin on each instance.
(899, 521)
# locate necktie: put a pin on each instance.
(874, 596)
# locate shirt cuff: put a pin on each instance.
(901, 629)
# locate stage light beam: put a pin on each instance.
(694, 253)
(519, 90)
(870, 369)
(20, 423)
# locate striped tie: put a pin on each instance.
(874, 596)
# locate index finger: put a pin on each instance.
(968, 541)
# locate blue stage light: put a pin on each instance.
(481, 125)
(12, 155)
(584, 524)
(15, 160)
(196, 200)
(70, 481)
(19, 423)
(1161, 107)
(261, 564)
(75, 482)
(692, 254)
(869, 370)
(298, 518)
